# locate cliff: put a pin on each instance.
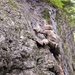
(20, 51)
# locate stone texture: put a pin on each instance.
(19, 52)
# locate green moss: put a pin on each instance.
(13, 4)
(73, 72)
(55, 3)
(1, 8)
(74, 36)
(59, 29)
(47, 1)
(73, 58)
(46, 16)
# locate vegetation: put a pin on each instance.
(59, 3)
(68, 8)
(12, 3)
(74, 36)
(73, 59)
(46, 16)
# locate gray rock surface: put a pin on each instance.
(19, 52)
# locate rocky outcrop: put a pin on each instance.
(20, 53)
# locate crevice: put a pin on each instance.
(39, 45)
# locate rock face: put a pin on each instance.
(68, 43)
(20, 54)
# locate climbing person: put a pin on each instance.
(50, 40)
(50, 36)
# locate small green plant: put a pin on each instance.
(74, 36)
(59, 29)
(12, 3)
(73, 58)
(57, 3)
(47, 1)
(73, 72)
(46, 16)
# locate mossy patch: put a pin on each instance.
(59, 29)
(73, 58)
(74, 36)
(1, 8)
(73, 72)
(12, 4)
(46, 15)
(47, 1)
